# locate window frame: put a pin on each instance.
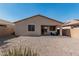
(31, 27)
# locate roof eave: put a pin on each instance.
(38, 15)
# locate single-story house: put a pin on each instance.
(73, 28)
(38, 25)
(6, 28)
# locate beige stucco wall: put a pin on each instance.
(21, 28)
(75, 33)
(4, 31)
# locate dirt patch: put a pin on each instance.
(46, 45)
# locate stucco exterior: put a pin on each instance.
(73, 28)
(5, 31)
(6, 28)
(75, 33)
(21, 28)
(72, 32)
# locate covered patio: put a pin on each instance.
(51, 30)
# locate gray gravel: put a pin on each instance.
(46, 45)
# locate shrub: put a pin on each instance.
(19, 52)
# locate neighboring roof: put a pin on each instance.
(71, 23)
(4, 22)
(36, 16)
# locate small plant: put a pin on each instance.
(19, 52)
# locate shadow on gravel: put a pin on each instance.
(3, 39)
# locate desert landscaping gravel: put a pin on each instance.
(45, 45)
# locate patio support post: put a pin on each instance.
(60, 31)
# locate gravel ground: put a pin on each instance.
(46, 45)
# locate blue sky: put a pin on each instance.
(58, 11)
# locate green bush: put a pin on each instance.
(19, 52)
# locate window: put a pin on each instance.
(3, 26)
(52, 28)
(31, 27)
